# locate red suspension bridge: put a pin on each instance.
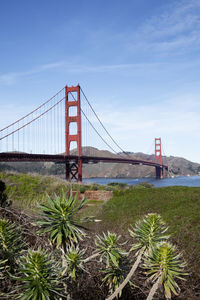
(49, 132)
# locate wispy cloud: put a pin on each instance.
(12, 77)
(129, 68)
(177, 27)
(176, 119)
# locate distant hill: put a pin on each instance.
(178, 166)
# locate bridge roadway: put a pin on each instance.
(59, 158)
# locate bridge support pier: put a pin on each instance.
(159, 172)
(74, 171)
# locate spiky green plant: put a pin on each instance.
(11, 244)
(3, 267)
(114, 275)
(73, 262)
(57, 219)
(40, 276)
(164, 266)
(108, 248)
(147, 233)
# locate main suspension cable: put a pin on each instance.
(98, 132)
(94, 127)
(49, 109)
(31, 111)
(102, 123)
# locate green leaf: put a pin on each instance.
(57, 219)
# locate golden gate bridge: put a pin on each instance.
(49, 132)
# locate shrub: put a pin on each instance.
(164, 265)
(94, 187)
(73, 261)
(57, 219)
(145, 184)
(112, 183)
(147, 233)
(40, 276)
(11, 244)
(82, 189)
(119, 185)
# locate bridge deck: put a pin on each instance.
(25, 157)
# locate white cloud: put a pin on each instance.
(177, 28)
(12, 77)
(176, 120)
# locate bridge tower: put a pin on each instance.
(73, 169)
(158, 157)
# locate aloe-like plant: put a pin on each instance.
(164, 265)
(3, 267)
(147, 233)
(113, 276)
(58, 219)
(11, 245)
(108, 248)
(73, 261)
(40, 276)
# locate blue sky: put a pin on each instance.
(137, 61)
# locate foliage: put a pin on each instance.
(113, 183)
(57, 219)
(165, 265)
(145, 184)
(94, 187)
(73, 261)
(3, 267)
(148, 232)
(179, 206)
(11, 244)
(118, 185)
(39, 276)
(113, 275)
(26, 191)
(82, 189)
(113, 258)
(108, 188)
(108, 248)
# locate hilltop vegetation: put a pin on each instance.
(26, 191)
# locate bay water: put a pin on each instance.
(193, 181)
